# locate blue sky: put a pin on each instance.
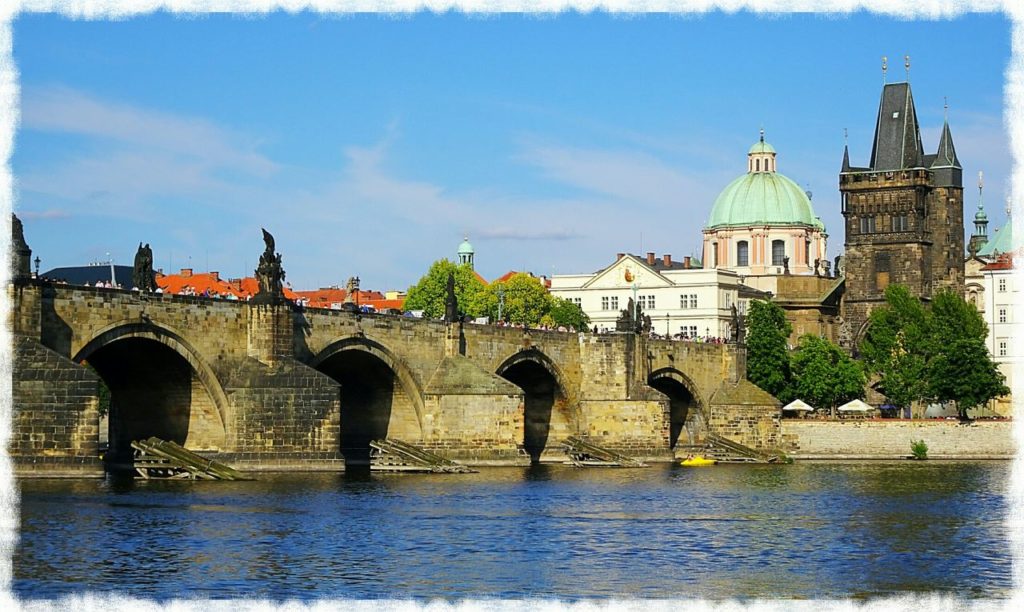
(369, 145)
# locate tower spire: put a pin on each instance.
(885, 66)
(906, 64)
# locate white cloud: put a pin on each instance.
(69, 111)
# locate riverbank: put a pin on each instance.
(891, 438)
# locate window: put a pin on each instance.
(881, 271)
(1002, 348)
(577, 301)
(650, 302)
(807, 251)
(684, 301)
(1002, 315)
(615, 302)
(714, 254)
(742, 253)
(690, 332)
(778, 252)
(900, 223)
(867, 225)
(727, 298)
(1002, 285)
(605, 303)
(642, 302)
(693, 300)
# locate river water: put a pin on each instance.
(808, 530)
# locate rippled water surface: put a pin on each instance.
(809, 530)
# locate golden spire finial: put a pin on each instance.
(885, 66)
(762, 133)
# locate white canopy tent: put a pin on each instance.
(797, 406)
(855, 406)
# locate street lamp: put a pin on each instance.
(501, 300)
(37, 266)
(636, 304)
(668, 325)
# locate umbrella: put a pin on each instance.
(855, 406)
(796, 405)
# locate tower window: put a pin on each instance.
(900, 223)
(742, 253)
(867, 225)
(757, 164)
(881, 271)
(1002, 285)
(778, 252)
(714, 254)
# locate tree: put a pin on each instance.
(767, 353)
(965, 373)
(524, 299)
(824, 375)
(568, 314)
(897, 346)
(430, 292)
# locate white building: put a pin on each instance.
(679, 298)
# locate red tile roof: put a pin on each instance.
(199, 284)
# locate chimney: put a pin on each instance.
(686, 262)
(650, 258)
(667, 260)
(619, 256)
(215, 275)
(186, 272)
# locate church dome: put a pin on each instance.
(465, 248)
(762, 196)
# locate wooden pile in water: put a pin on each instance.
(156, 458)
(390, 455)
(584, 454)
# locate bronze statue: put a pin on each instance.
(785, 265)
(269, 274)
(451, 303)
(817, 265)
(838, 271)
(143, 277)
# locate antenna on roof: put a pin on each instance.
(906, 64)
(885, 66)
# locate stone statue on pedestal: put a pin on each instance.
(451, 303)
(21, 260)
(143, 277)
(269, 274)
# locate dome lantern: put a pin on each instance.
(465, 252)
(761, 157)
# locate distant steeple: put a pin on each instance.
(980, 236)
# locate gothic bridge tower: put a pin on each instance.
(903, 214)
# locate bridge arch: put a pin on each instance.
(372, 406)
(149, 368)
(686, 407)
(549, 413)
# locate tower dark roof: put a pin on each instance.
(946, 157)
(846, 159)
(897, 137)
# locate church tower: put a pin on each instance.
(903, 214)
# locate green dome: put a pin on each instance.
(1002, 242)
(762, 198)
(761, 147)
(980, 216)
(465, 248)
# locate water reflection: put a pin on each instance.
(806, 530)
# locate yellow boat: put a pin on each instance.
(697, 461)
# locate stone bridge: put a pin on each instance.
(273, 387)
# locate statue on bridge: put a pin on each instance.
(451, 303)
(269, 274)
(143, 277)
(739, 326)
(21, 266)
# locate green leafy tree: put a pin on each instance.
(824, 375)
(897, 346)
(965, 373)
(767, 353)
(524, 299)
(568, 314)
(429, 293)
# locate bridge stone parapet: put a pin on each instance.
(277, 387)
